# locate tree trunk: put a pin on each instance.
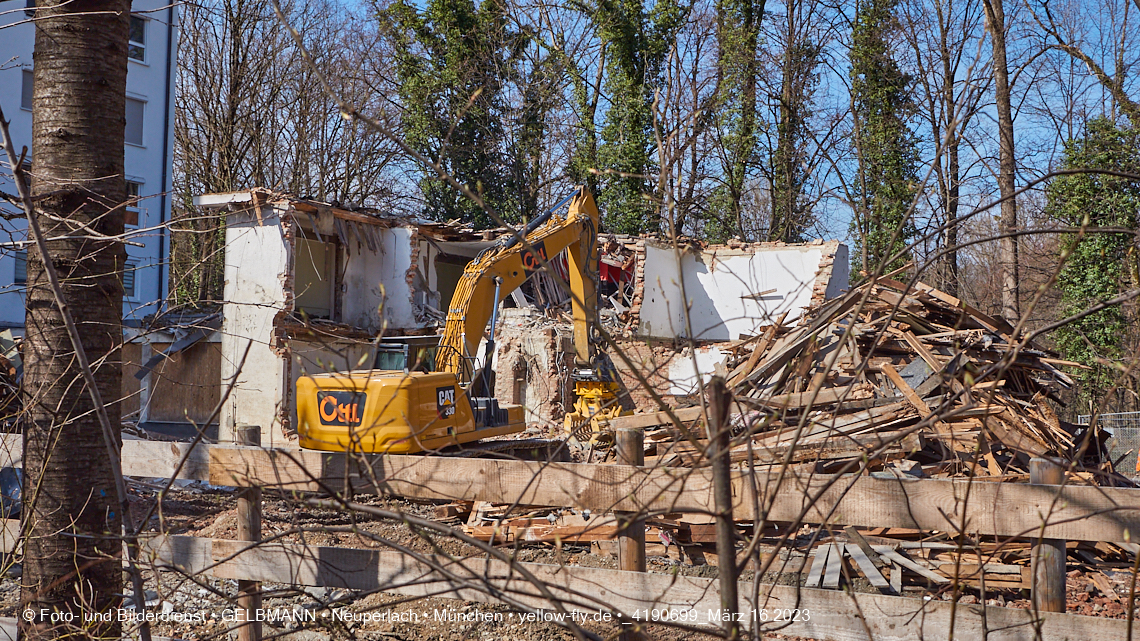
(1010, 304)
(73, 522)
(784, 190)
(952, 180)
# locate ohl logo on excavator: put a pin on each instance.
(534, 256)
(340, 408)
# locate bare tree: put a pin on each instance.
(998, 27)
(943, 38)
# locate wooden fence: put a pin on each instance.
(1005, 510)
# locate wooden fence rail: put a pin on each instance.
(1074, 513)
(831, 614)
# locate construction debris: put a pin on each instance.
(897, 381)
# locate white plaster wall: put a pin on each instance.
(257, 261)
(683, 379)
(378, 280)
(721, 288)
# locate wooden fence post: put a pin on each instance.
(720, 436)
(1048, 554)
(630, 445)
(249, 529)
(631, 540)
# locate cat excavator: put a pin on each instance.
(404, 411)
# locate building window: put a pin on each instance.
(136, 50)
(314, 278)
(129, 279)
(131, 213)
(30, 8)
(27, 78)
(21, 277)
(134, 133)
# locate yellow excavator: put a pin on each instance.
(403, 411)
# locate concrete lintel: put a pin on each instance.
(218, 200)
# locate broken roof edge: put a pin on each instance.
(739, 247)
(260, 196)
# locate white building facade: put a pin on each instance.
(149, 152)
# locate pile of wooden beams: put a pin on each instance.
(901, 380)
(886, 556)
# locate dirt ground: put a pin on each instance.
(203, 606)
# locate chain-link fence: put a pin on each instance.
(1125, 442)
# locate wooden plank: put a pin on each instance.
(740, 373)
(600, 488)
(835, 615)
(1104, 585)
(801, 399)
(1082, 513)
(906, 390)
(818, 561)
(159, 459)
(887, 552)
(834, 567)
(867, 567)
(154, 459)
(653, 419)
(863, 545)
(831, 448)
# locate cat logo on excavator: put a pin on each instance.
(445, 401)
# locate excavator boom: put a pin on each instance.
(514, 261)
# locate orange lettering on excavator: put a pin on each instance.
(339, 408)
(330, 415)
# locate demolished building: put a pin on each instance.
(309, 287)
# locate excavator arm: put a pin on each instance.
(513, 261)
(501, 269)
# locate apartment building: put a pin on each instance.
(148, 151)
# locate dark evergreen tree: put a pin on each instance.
(738, 28)
(452, 61)
(884, 145)
(637, 43)
(791, 213)
(1098, 266)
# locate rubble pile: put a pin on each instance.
(909, 379)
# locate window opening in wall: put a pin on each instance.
(26, 80)
(134, 132)
(136, 50)
(21, 276)
(131, 212)
(129, 268)
(30, 8)
(314, 278)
